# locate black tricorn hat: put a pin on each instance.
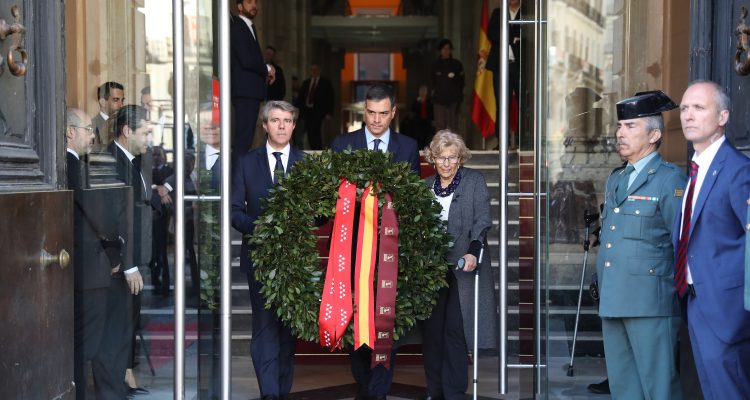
(644, 104)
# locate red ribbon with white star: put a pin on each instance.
(336, 304)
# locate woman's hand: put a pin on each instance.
(470, 262)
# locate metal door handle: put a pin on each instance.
(62, 259)
(17, 30)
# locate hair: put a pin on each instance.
(379, 92)
(73, 116)
(443, 42)
(239, 1)
(443, 139)
(278, 105)
(146, 90)
(269, 47)
(130, 115)
(655, 122)
(105, 88)
(723, 102)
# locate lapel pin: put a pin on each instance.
(714, 174)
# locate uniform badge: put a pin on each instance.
(679, 192)
(451, 75)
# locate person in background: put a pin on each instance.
(111, 96)
(448, 87)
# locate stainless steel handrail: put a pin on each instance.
(503, 226)
(178, 64)
(537, 196)
(226, 240)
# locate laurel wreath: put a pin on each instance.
(285, 245)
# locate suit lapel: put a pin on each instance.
(294, 156)
(360, 140)
(262, 164)
(708, 182)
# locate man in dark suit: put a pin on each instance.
(110, 96)
(159, 263)
(277, 89)
(316, 104)
(250, 75)
(272, 346)
(210, 136)
(709, 241)
(96, 254)
(380, 108)
(131, 140)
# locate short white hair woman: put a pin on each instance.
(462, 193)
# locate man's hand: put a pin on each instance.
(115, 269)
(470, 262)
(135, 282)
(271, 74)
(164, 194)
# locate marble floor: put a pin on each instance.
(334, 382)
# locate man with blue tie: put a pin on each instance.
(272, 346)
(380, 108)
(637, 305)
(709, 241)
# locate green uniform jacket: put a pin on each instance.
(635, 261)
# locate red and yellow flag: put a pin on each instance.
(484, 106)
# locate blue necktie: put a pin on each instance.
(376, 144)
(279, 168)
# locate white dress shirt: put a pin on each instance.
(272, 159)
(73, 152)
(384, 139)
(104, 115)
(704, 161)
(212, 155)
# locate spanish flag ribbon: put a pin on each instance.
(367, 245)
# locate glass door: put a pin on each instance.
(595, 53)
(149, 68)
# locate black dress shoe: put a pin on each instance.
(600, 388)
(137, 391)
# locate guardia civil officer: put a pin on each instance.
(638, 306)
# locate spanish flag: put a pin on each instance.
(483, 107)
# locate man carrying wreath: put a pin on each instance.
(272, 346)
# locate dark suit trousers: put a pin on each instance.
(90, 316)
(111, 360)
(245, 118)
(159, 263)
(313, 123)
(444, 346)
(723, 368)
(371, 381)
(272, 346)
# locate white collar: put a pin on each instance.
(385, 138)
(73, 152)
(705, 158)
(127, 153)
(104, 115)
(284, 152)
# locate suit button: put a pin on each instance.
(609, 245)
(612, 227)
(651, 271)
(637, 212)
(607, 264)
(747, 227)
(616, 210)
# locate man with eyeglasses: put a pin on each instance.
(380, 108)
(96, 253)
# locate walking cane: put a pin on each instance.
(476, 321)
(588, 219)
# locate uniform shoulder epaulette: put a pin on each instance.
(670, 165)
(621, 167)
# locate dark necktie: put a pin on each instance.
(622, 185)
(680, 275)
(279, 168)
(255, 35)
(141, 181)
(376, 144)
